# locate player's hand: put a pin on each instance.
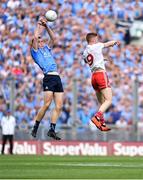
(117, 43)
(42, 21)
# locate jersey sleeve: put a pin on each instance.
(101, 45)
(97, 47)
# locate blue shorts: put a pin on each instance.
(52, 83)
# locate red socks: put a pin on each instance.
(99, 115)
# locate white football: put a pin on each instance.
(51, 15)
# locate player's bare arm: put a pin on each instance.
(52, 36)
(36, 35)
(111, 44)
(49, 30)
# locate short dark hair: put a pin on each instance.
(89, 36)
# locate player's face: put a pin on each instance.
(95, 39)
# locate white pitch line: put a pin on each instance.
(122, 165)
(100, 165)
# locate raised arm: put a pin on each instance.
(37, 34)
(49, 30)
(52, 36)
(111, 44)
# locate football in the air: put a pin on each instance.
(51, 15)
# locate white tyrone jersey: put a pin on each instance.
(94, 57)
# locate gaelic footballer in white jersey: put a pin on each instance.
(93, 56)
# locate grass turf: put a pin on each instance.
(70, 167)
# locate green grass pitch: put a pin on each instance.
(70, 167)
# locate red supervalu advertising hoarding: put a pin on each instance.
(77, 148)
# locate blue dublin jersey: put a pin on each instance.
(44, 58)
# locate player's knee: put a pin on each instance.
(58, 108)
(46, 106)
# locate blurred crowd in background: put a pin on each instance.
(18, 20)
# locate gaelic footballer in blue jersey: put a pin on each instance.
(52, 85)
